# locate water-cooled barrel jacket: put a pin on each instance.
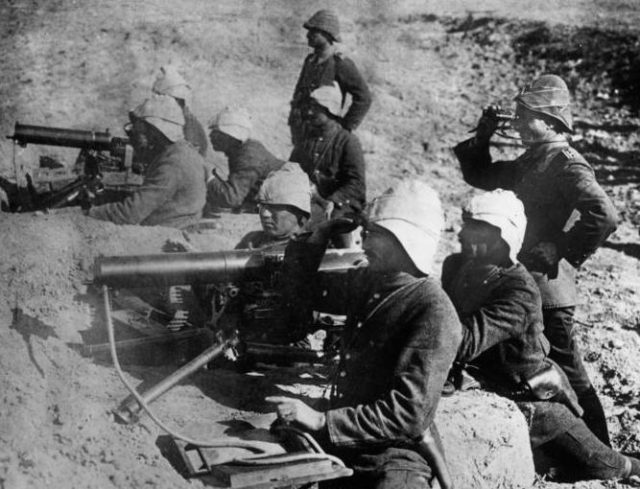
(342, 70)
(335, 164)
(502, 334)
(172, 193)
(400, 339)
(563, 202)
(249, 165)
(501, 314)
(194, 132)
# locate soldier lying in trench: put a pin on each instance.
(500, 309)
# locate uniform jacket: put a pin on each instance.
(335, 164)
(249, 165)
(563, 202)
(194, 132)
(336, 68)
(400, 339)
(502, 335)
(172, 193)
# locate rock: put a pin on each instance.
(486, 441)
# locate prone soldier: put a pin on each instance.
(569, 216)
(500, 309)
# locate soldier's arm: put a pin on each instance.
(351, 176)
(478, 169)
(352, 82)
(158, 187)
(233, 191)
(598, 217)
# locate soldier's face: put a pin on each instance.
(481, 241)
(530, 126)
(382, 249)
(315, 115)
(277, 220)
(317, 39)
(221, 141)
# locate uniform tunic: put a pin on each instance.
(400, 339)
(249, 165)
(194, 132)
(172, 193)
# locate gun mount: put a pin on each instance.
(104, 163)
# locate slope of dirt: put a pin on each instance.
(431, 66)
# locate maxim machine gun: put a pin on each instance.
(241, 288)
(103, 164)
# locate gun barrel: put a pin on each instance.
(71, 138)
(166, 269)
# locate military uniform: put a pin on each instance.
(249, 165)
(172, 193)
(314, 75)
(566, 206)
(503, 339)
(400, 339)
(194, 132)
(334, 162)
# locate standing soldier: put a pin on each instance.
(400, 338)
(324, 66)
(500, 309)
(569, 216)
(169, 82)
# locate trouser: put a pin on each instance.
(392, 479)
(584, 456)
(558, 328)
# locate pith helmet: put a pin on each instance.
(412, 212)
(330, 97)
(502, 209)
(163, 113)
(170, 82)
(548, 95)
(234, 121)
(288, 185)
(325, 21)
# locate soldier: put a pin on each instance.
(249, 161)
(324, 66)
(500, 309)
(284, 206)
(333, 159)
(569, 216)
(169, 82)
(398, 344)
(173, 191)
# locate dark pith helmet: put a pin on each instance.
(548, 95)
(325, 21)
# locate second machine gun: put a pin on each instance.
(247, 277)
(104, 162)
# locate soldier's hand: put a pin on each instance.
(292, 410)
(544, 256)
(488, 123)
(326, 230)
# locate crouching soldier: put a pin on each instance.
(569, 216)
(400, 339)
(500, 309)
(284, 206)
(249, 161)
(173, 191)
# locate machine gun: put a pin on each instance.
(104, 163)
(249, 275)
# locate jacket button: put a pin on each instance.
(343, 374)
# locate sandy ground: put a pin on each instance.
(431, 66)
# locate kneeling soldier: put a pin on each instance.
(400, 338)
(501, 312)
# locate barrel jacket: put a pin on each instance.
(335, 164)
(400, 340)
(563, 202)
(249, 165)
(172, 193)
(501, 314)
(335, 68)
(194, 132)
